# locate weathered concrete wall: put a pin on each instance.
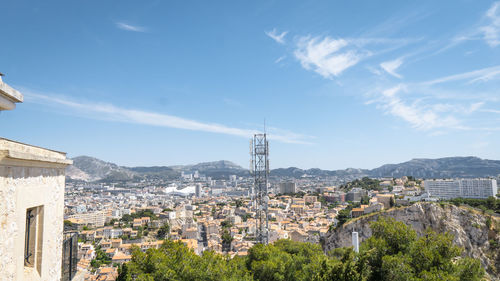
(30, 177)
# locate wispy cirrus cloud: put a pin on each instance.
(487, 29)
(130, 27)
(491, 111)
(280, 59)
(479, 75)
(391, 67)
(491, 31)
(278, 37)
(418, 116)
(114, 113)
(329, 57)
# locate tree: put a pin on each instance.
(365, 200)
(343, 216)
(163, 231)
(226, 240)
(100, 259)
(392, 253)
(239, 203)
(175, 261)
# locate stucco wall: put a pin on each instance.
(27, 183)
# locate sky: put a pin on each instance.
(338, 84)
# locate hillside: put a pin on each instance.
(468, 227)
(92, 169)
(450, 167)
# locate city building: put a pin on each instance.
(93, 219)
(198, 190)
(288, 187)
(355, 195)
(464, 188)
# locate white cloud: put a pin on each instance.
(129, 27)
(480, 75)
(491, 111)
(491, 32)
(325, 56)
(419, 117)
(487, 29)
(446, 107)
(280, 38)
(278, 60)
(391, 67)
(117, 114)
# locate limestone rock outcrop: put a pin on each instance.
(468, 227)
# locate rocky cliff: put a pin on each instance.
(469, 228)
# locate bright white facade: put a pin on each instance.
(32, 183)
(464, 188)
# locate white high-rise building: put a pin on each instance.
(464, 188)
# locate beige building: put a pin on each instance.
(92, 219)
(385, 199)
(31, 206)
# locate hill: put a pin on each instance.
(92, 169)
(449, 167)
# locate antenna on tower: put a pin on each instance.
(260, 171)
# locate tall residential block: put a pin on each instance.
(288, 187)
(464, 188)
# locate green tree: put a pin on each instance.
(239, 203)
(226, 240)
(174, 261)
(343, 216)
(163, 231)
(392, 253)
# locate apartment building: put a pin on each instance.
(465, 188)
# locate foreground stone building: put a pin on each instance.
(32, 183)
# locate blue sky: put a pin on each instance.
(339, 83)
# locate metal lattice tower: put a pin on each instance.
(259, 166)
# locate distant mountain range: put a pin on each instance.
(92, 169)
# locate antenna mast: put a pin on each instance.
(260, 171)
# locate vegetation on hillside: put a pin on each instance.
(143, 213)
(364, 183)
(394, 252)
(100, 259)
(488, 205)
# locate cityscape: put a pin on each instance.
(159, 170)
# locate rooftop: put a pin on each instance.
(8, 96)
(16, 151)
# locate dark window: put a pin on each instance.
(33, 238)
